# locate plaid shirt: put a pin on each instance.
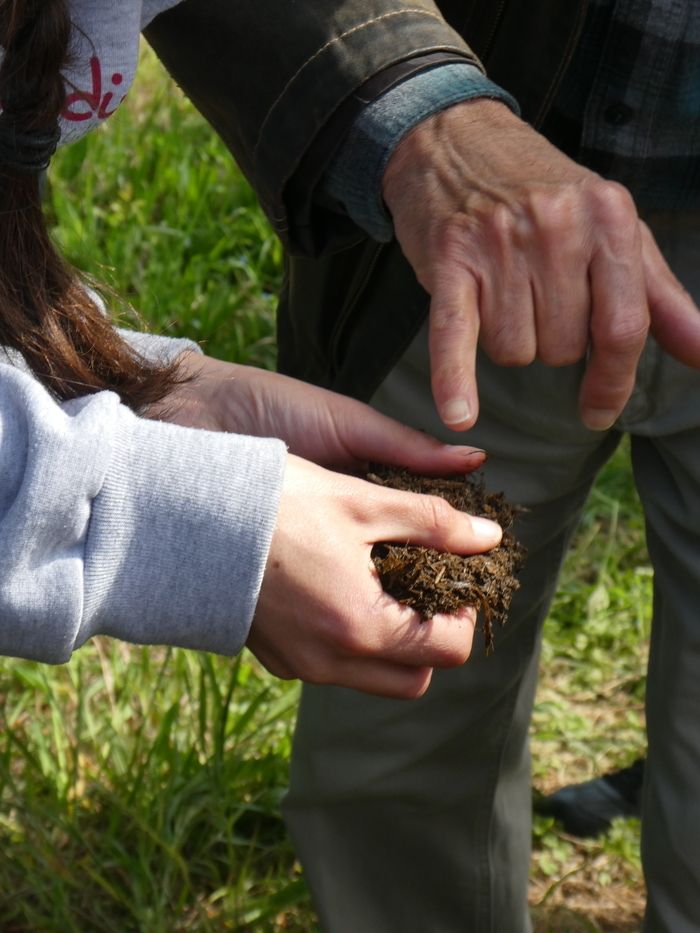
(629, 107)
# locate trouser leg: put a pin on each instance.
(666, 459)
(388, 806)
(416, 816)
(668, 476)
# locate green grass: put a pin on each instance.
(140, 792)
(589, 714)
(139, 789)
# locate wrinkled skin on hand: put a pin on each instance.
(532, 256)
(322, 614)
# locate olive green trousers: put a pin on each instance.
(415, 817)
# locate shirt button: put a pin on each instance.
(618, 114)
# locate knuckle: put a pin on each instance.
(459, 649)
(348, 636)
(437, 513)
(612, 201)
(558, 211)
(451, 232)
(414, 686)
(351, 642)
(625, 336)
(451, 238)
(503, 222)
(454, 655)
(446, 319)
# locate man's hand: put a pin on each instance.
(531, 255)
(322, 615)
(321, 426)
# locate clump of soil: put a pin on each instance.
(431, 581)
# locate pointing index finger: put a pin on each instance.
(454, 333)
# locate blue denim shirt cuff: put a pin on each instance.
(354, 177)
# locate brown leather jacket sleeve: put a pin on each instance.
(269, 74)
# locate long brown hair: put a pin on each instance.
(45, 311)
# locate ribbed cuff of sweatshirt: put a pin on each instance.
(354, 177)
(179, 536)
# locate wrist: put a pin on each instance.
(435, 134)
(204, 398)
(354, 178)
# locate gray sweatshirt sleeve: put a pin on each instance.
(114, 524)
(158, 347)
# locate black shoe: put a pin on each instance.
(587, 810)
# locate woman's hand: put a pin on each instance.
(322, 615)
(316, 424)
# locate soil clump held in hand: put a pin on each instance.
(431, 581)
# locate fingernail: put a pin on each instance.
(486, 531)
(456, 411)
(599, 419)
(467, 451)
(478, 456)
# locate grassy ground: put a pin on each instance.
(589, 715)
(139, 789)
